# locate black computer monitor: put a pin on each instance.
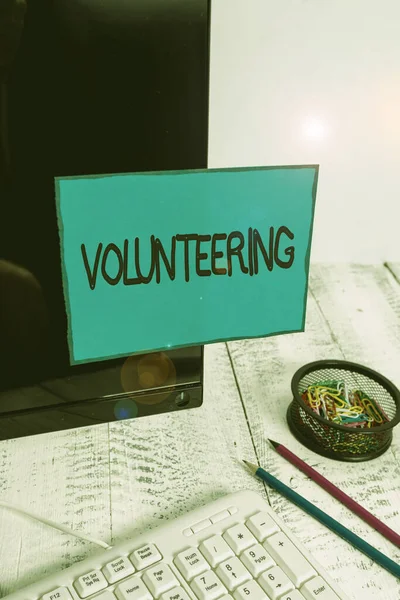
(94, 87)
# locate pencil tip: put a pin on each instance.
(249, 465)
(274, 444)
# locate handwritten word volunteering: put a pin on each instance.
(201, 255)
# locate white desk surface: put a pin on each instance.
(113, 481)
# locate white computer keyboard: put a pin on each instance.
(235, 548)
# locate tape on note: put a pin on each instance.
(153, 261)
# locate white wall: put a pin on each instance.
(315, 81)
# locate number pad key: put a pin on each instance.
(262, 525)
(191, 563)
(239, 538)
(318, 589)
(291, 560)
(159, 579)
(256, 559)
(250, 591)
(232, 573)
(208, 586)
(294, 595)
(216, 550)
(90, 583)
(275, 583)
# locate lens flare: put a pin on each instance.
(315, 128)
(125, 409)
(146, 372)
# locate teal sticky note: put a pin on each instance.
(153, 261)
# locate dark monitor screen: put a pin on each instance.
(94, 87)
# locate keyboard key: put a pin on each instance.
(90, 583)
(256, 559)
(61, 593)
(177, 593)
(208, 586)
(224, 514)
(133, 589)
(191, 563)
(275, 583)
(239, 538)
(216, 550)
(262, 525)
(318, 589)
(294, 595)
(118, 569)
(145, 556)
(291, 560)
(232, 573)
(159, 579)
(250, 591)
